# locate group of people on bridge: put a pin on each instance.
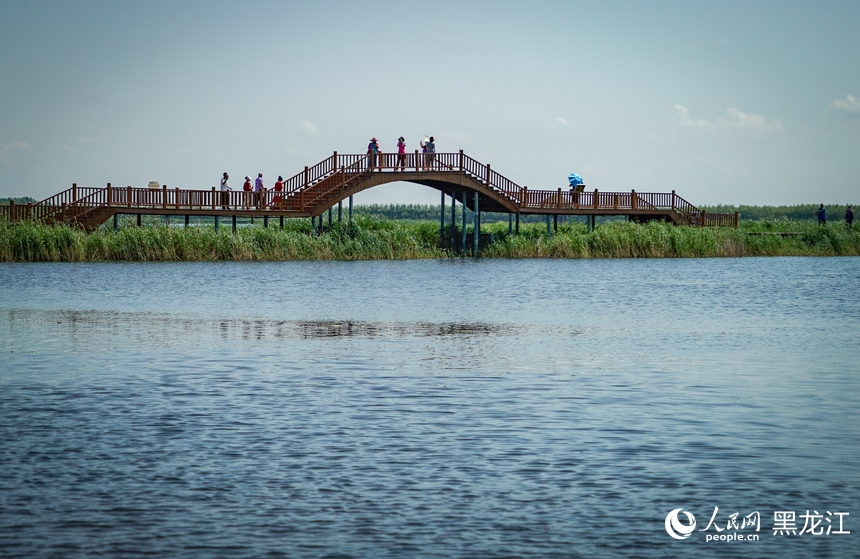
(428, 154)
(252, 196)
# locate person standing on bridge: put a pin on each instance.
(431, 153)
(373, 155)
(279, 187)
(225, 192)
(849, 217)
(247, 188)
(401, 154)
(258, 191)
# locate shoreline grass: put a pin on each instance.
(369, 238)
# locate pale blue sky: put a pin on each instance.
(724, 102)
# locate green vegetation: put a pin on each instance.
(362, 240)
(369, 238)
(429, 212)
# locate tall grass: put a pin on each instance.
(369, 238)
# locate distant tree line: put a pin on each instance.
(21, 200)
(430, 212)
(799, 212)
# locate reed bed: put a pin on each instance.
(369, 238)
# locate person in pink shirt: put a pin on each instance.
(401, 154)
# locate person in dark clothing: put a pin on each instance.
(849, 217)
(821, 213)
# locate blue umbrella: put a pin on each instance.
(575, 179)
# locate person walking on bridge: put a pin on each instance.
(373, 155)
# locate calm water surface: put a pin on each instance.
(427, 409)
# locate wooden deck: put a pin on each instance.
(316, 189)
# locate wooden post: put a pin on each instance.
(350, 209)
(736, 219)
(463, 233)
(74, 191)
(265, 222)
(416, 160)
(488, 175)
(128, 196)
(596, 198)
(633, 202)
(442, 223)
(524, 193)
(673, 199)
(139, 220)
(234, 224)
(11, 210)
(477, 226)
(109, 192)
(176, 193)
(453, 219)
(558, 200)
(460, 164)
(187, 219)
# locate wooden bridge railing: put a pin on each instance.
(340, 169)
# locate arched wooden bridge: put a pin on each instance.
(316, 189)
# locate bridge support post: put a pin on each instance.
(442, 222)
(187, 219)
(510, 223)
(217, 222)
(340, 211)
(116, 222)
(313, 226)
(265, 222)
(453, 220)
(548, 230)
(555, 223)
(329, 217)
(477, 225)
(234, 224)
(350, 208)
(282, 222)
(463, 233)
(518, 224)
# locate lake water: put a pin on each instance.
(465, 408)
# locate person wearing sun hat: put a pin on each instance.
(247, 189)
(373, 155)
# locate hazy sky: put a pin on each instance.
(751, 102)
